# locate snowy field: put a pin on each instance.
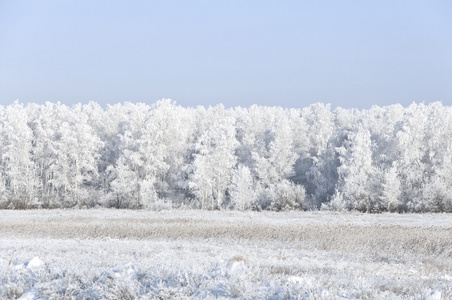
(124, 254)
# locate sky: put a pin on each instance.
(352, 54)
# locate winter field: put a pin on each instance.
(125, 254)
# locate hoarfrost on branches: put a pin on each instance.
(129, 155)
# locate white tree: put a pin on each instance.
(129, 167)
(124, 185)
(355, 172)
(391, 194)
(410, 146)
(319, 160)
(77, 149)
(163, 145)
(287, 196)
(16, 151)
(214, 160)
(274, 161)
(438, 195)
(242, 191)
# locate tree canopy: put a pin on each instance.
(392, 158)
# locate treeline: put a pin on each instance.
(162, 155)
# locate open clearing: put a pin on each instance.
(124, 254)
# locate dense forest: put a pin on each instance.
(392, 158)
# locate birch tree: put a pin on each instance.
(18, 169)
(242, 191)
(214, 161)
(355, 172)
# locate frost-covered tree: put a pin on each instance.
(124, 185)
(164, 146)
(391, 192)
(242, 189)
(274, 161)
(438, 195)
(287, 195)
(356, 170)
(319, 162)
(438, 159)
(76, 149)
(214, 160)
(17, 166)
(126, 170)
(133, 154)
(410, 147)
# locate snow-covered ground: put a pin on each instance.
(123, 254)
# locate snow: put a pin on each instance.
(100, 254)
(236, 269)
(30, 295)
(434, 296)
(34, 263)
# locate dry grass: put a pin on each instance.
(379, 239)
(187, 254)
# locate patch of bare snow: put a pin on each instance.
(125, 272)
(34, 263)
(434, 296)
(447, 277)
(30, 295)
(236, 269)
(295, 279)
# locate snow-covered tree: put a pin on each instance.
(133, 154)
(18, 170)
(356, 170)
(287, 196)
(274, 161)
(391, 194)
(124, 186)
(76, 149)
(410, 147)
(319, 162)
(438, 195)
(214, 161)
(242, 190)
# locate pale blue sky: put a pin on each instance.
(285, 53)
